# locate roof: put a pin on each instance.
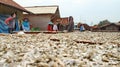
(94, 27)
(13, 4)
(42, 9)
(117, 24)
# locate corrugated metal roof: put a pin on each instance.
(13, 4)
(42, 9)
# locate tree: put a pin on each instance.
(104, 22)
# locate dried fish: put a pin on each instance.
(75, 49)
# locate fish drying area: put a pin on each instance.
(74, 49)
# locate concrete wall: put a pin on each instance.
(40, 21)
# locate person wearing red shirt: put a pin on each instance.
(10, 21)
(50, 27)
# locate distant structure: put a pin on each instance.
(86, 26)
(66, 23)
(63, 23)
(112, 27)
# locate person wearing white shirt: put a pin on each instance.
(55, 28)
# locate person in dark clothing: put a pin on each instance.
(70, 25)
(10, 21)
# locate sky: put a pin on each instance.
(85, 11)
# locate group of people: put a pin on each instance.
(57, 26)
(52, 27)
(25, 25)
(11, 22)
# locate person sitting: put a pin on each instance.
(26, 25)
(82, 28)
(50, 26)
(55, 28)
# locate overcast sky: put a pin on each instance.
(87, 11)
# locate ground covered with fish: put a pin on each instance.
(76, 49)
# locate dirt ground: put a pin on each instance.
(75, 49)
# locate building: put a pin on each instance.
(9, 6)
(94, 28)
(63, 23)
(42, 15)
(112, 27)
(66, 23)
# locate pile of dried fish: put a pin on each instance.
(76, 49)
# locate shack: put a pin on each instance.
(112, 27)
(42, 15)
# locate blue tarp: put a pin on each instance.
(4, 27)
(17, 25)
